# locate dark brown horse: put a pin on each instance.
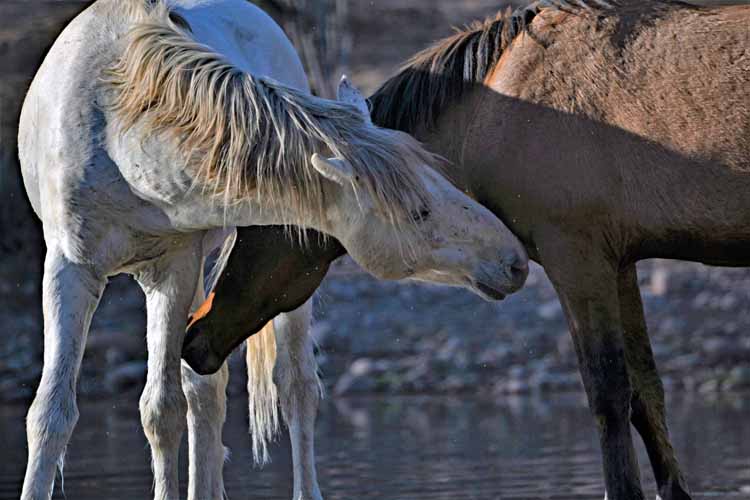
(259, 282)
(602, 135)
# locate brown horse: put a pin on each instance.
(602, 135)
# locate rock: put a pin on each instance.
(719, 348)
(358, 379)
(494, 358)
(739, 378)
(126, 376)
(555, 382)
(710, 386)
(513, 386)
(449, 350)
(458, 383)
(416, 378)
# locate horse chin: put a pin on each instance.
(488, 293)
(199, 356)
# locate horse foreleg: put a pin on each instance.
(169, 284)
(70, 294)
(587, 286)
(648, 406)
(207, 411)
(296, 378)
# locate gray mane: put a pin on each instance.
(247, 136)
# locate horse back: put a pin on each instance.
(246, 36)
(633, 124)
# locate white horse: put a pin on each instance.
(149, 132)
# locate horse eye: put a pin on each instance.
(421, 215)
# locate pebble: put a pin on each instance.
(394, 338)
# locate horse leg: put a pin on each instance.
(207, 411)
(70, 294)
(587, 287)
(170, 285)
(648, 406)
(296, 378)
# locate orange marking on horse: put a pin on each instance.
(202, 311)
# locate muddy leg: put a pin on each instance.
(648, 407)
(587, 286)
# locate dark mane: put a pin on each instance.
(439, 75)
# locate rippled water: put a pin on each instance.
(408, 448)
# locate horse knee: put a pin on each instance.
(52, 416)
(300, 390)
(610, 399)
(163, 417)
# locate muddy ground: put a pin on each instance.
(374, 337)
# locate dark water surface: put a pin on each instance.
(407, 448)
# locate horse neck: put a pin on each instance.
(253, 212)
(449, 138)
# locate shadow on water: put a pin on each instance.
(407, 448)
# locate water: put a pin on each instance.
(408, 448)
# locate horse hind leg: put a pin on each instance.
(648, 406)
(70, 294)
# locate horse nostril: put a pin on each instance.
(517, 269)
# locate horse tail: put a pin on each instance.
(262, 395)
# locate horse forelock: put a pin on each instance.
(441, 74)
(246, 136)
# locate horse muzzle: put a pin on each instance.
(495, 282)
(199, 355)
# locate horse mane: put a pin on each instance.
(439, 75)
(244, 135)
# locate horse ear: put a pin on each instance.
(349, 94)
(334, 169)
